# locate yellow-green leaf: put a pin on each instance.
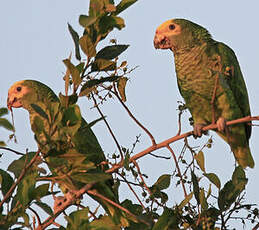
(203, 200)
(213, 179)
(185, 201)
(199, 157)
(74, 73)
(87, 46)
(121, 85)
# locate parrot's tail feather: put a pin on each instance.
(243, 156)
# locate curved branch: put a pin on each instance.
(165, 143)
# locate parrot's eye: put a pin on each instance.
(171, 26)
(19, 88)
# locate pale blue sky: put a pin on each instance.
(34, 41)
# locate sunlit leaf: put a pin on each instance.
(74, 72)
(75, 37)
(123, 5)
(78, 220)
(121, 85)
(103, 65)
(185, 201)
(213, 179)
(200, 160)
(87, 46)
(104, 223)
(86, 21)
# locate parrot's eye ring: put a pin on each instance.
(171, 26)
(19, 88)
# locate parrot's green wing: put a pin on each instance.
(235, 81)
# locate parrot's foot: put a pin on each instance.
(221, 124)
(197, 130)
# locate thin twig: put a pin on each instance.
(11, 150)
(178, 169)
(163, 144)
(162, 157)
(36, 214)
(130, 187)
(109, 128)
(134, 118)
(9, 193)
(94, 193)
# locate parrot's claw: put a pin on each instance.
(221, 124)
(197, 130)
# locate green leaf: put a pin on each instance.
(185, 201)
(163, 182)
(227, 196)
(103, 65)
(203, 200)
(25, 188)
(87, 46)
(108, 23)
(40, 191)
(111, 52)
(2, 143)
(123, 5)
(239, 178)
(6, 181)
(126, 161)
(168, 218)
(213, 179)
(17, 166)
(196, 188)
(92, 123)
(74, 72)
(86, 21)
(121, 85)
(91, 177)
(75, 37)
(6, 124)
(89, 85)
(200, 160)
(3, 111)
(104, 223)
(40, 111)
(78, 220)
(45, 207)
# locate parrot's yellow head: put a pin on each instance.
(16, 93)
(177, 34)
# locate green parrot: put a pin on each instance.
(69, 146)
(210, 80)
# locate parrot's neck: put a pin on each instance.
(186, 60)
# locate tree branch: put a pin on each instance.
(164, 144)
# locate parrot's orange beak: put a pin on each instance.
(161, 41)
(13, 102)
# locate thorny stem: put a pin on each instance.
(9, 193)
(178, 169)
(108, 126)
(164, 144)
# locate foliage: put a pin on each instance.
(100, 75)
